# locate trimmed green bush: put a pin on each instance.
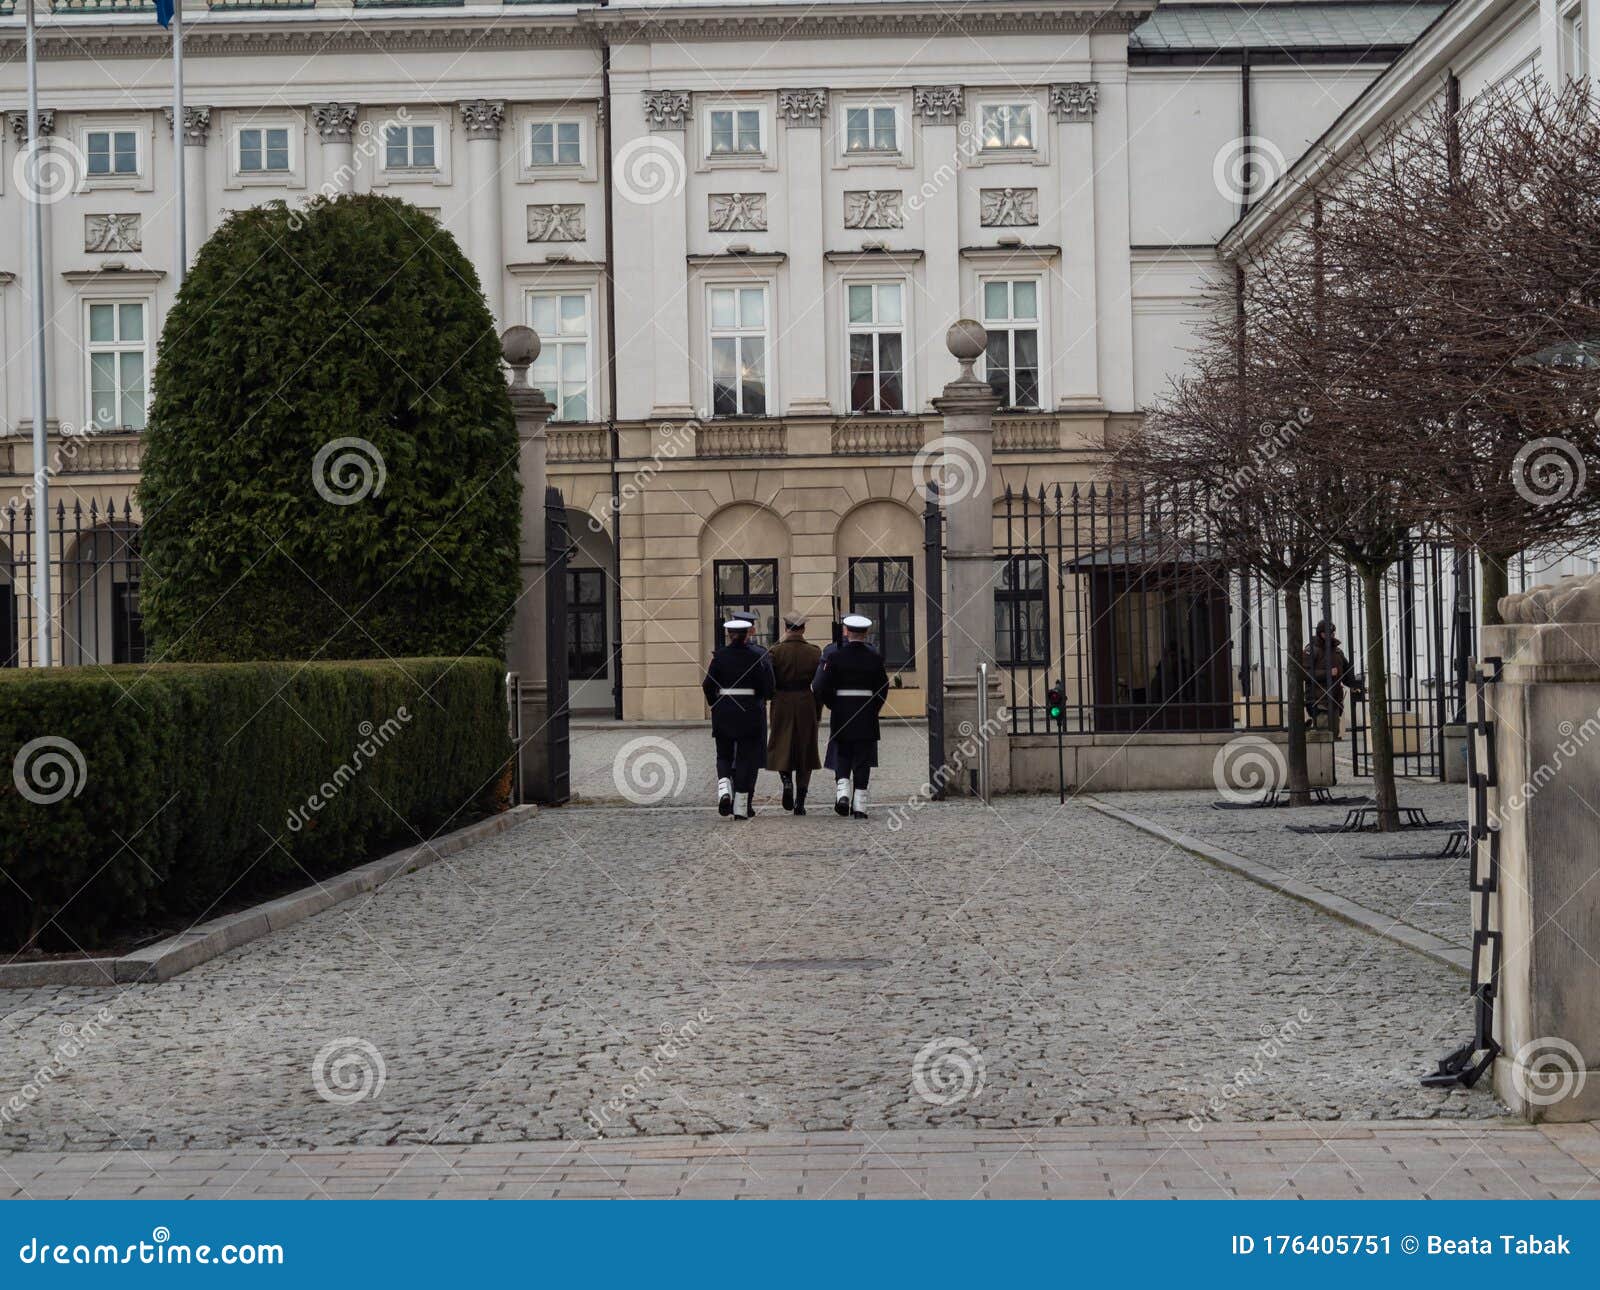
(330, 468)
(140, 793)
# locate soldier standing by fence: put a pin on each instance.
(854, 684)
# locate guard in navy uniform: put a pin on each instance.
(737, 686)
(854, 684)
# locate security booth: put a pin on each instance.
(1159, 641)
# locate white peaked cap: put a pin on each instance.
(738, 625)
(857, 622)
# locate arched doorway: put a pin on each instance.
(100, 618)
(591, 623)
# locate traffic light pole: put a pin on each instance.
(1061, 741)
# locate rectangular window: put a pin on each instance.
(870, 129)
(747, 587)
(586, 625)
(409, 147)
(562, 319)
(876, 326)
(264, 151)
(1007, 125)
(735, 131)
(1011, 362)
(881, 589)
(127, 623)
(112, 152)
(555, 143)
(1574, 62)
(1021, 612)
(738, 351)
(116, 365)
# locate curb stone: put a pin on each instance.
(165, 959)
(1413, 938)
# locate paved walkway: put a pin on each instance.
(1471, 1160)
(615, 973)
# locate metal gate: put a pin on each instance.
(557, 630)
(933, 615)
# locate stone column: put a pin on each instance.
(1077, 369)
(1113, 236)
(486, 243)
(336, 123)
(1546, 714)
(666, 113)
(967, 494)
(939, 110)
(526, 646)
(805, 333)
(60, 346)
(196, 132)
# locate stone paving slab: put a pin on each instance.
(1479, 1159)
(593, 972)
(1429, 895)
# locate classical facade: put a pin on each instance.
(741, 229)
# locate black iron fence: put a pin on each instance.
(92, 552)
(1115, 613)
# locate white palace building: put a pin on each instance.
(742, 230)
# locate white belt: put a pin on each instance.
(738, 694)
(853, 694)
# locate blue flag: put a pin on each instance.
(164, 12)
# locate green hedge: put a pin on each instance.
(183, 785)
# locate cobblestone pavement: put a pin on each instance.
(1407, 1159)
(671, 972)
(675, 765)
(1375, 870)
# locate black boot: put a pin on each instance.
(800, 802)
(788, 793)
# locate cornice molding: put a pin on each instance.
(81, 277)
(300, 33)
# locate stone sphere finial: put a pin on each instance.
(966, 339)
(519, 346)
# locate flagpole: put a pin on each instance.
(41, 433)
(179, 143)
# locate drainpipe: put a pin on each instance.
(611, 384)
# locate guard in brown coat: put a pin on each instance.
(792, 743)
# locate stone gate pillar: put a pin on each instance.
(1546, 797)
(526, 646)
(966, 491)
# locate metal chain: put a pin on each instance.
(1465, 1066)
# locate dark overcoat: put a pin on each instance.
(792, 744)
(744, 668)
(854, 684)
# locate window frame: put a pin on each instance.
(117, 346)
(723, 607)
(764, 159)
(873, 148)
(579, 609)
(555, 164)
(558, 342)
(140, 177)
(410, 165)
(739, 333)
(1010, 599)
(293, 177)
(875, 600)
(876, 330)
(1008, 326)
(1008, 106)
